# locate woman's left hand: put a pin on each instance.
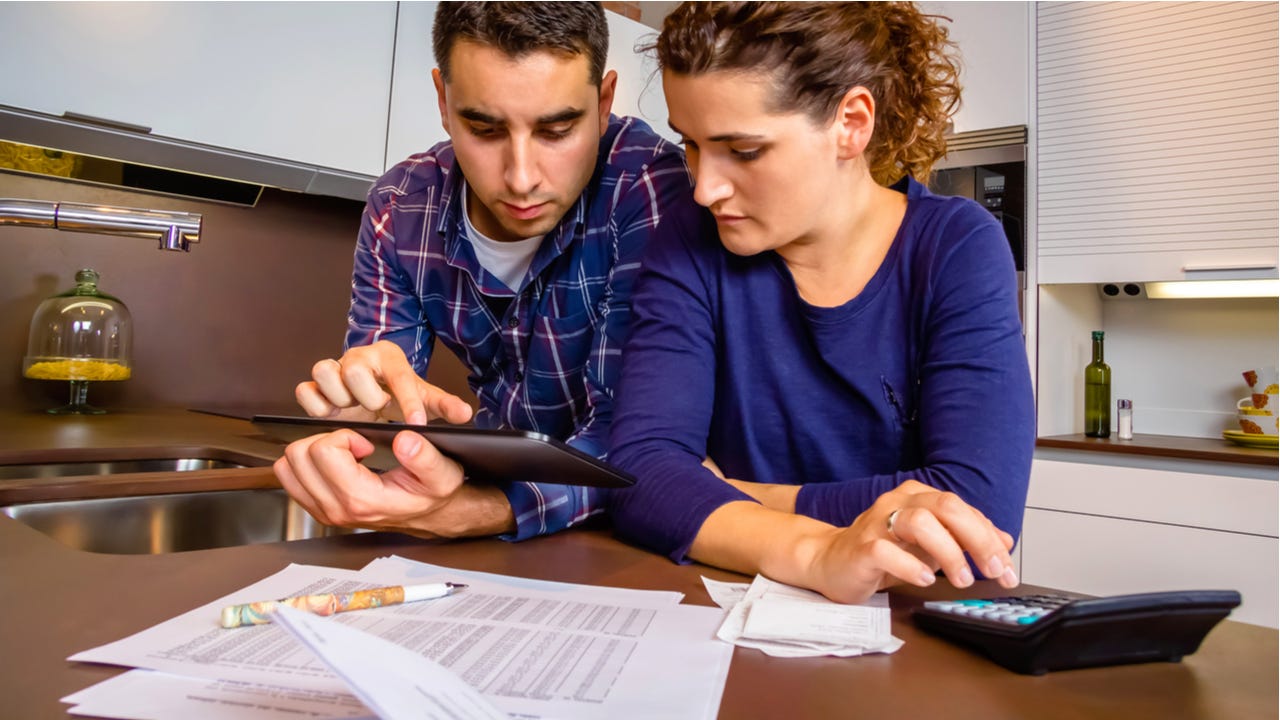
(930, 530)
(940, 527)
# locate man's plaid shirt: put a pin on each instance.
(547, 362)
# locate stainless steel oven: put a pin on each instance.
(991, 167)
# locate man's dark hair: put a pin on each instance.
(519, 28)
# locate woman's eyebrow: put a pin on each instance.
(735, 137)
(723, 137)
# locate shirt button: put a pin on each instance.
(519, 376)
(513, 323)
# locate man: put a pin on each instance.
(516, 244)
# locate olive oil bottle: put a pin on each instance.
(1097, 393)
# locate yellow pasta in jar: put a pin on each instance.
(77, 369)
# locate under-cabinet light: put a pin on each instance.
(1213, 289)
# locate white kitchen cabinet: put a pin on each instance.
(1156, 141)
(306, 82)
(1108, 530)
(415, 114)
(993, 42)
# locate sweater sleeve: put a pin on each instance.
(665, 398)
(975, 412)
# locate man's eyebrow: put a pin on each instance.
(566, 115)
(724, 137)
(476, 116)
(563, 116)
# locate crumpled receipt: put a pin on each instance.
(785, 621)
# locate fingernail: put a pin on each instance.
(1009, 578)
(927, 578)
(995, 567)
(417, 417)
(412, 443)
(964, 578)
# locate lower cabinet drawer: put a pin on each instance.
(1110, 556)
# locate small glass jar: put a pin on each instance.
(82, 335)
(1124, 419)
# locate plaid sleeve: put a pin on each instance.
(384, 303)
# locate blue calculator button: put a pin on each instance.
(1028, 619)
(975, 603)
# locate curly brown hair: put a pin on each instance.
(817, 52)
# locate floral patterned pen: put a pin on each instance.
(259, 613)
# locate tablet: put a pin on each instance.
(485, 455)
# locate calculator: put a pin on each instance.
(1035, 634)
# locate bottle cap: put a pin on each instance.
(1124, 404)
(1097, 334)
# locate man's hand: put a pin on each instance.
(376, 381)
(425, 496)
(931, 530)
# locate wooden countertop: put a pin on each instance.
(58, 601)
(28, 437)
(1170, 446)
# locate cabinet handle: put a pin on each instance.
(105, 122)
(1228, 268)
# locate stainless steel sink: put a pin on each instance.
(149, 524)
(113, 467)
(77, 462)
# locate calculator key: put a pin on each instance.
(1028, 619)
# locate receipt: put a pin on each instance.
(786, 621)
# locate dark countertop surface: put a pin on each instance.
(1168, 446)
(59, 601)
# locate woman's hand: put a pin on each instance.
(930, 530)
(773, 496)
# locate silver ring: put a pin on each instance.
(889, 524)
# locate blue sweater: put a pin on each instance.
(922, 376)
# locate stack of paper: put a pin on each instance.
(532, 649)
(786, 621)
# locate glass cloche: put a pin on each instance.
(82, 335)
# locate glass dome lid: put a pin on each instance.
(82, 335)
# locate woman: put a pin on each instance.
(849, 352)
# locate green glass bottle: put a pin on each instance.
(1097, 393)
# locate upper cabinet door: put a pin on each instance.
(993, 42)
(415, 110)
(1157, 141)
(302, 81)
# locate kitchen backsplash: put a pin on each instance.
(1179, 361)
(237, 321)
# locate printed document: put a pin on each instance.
(533, 649)
(396, 682)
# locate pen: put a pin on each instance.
(259, 613)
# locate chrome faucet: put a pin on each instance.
(174, 230)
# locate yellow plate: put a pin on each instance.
(1271, 442)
